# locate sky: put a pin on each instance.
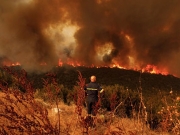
(132, 34)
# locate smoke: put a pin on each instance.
(23, 37)
(139, 32)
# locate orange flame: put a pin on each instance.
(154, 70)
(10, 63)
(149, 68)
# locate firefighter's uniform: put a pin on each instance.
(92, 89)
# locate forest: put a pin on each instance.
(68, 76)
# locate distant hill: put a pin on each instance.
(68, 76)
(130, 79)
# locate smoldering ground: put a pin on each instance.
(132, 34)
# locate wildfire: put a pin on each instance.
(148, 69)
(154, 70)
(10, 63)
(69, 62)
(16, 64)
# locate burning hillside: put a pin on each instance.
(127, 34)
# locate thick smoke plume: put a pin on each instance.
(133, 34)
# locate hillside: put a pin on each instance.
(68, 76)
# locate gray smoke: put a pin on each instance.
(153, 27)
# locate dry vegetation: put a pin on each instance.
(19, 115)
(27, 114)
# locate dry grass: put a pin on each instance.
(16, 120)
(19, 114)
(106, 124)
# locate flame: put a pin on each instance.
(147, 69)
(9, 63)
(74, 63)
(16, 64)
(117, 66)
(69, 62)
(154, 70)
(60, 63)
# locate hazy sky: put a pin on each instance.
(131, 33)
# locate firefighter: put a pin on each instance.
(92, 89)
